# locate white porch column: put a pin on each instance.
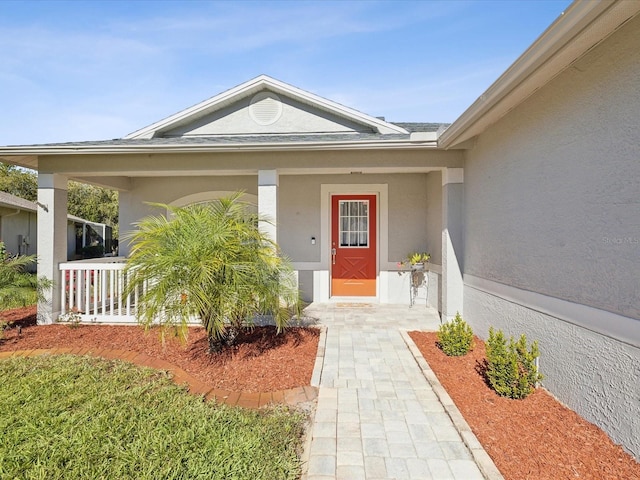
(452, 242)
(268, 201)
(52, 240)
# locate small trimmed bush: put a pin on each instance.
(511, 367)
(455, 338)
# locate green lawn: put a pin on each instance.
(82, 417)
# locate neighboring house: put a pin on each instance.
(19, 232)
(18, 224)
(528, 203)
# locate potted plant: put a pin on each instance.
(415, 260)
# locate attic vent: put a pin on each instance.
(265, 108)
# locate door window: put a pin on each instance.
(354, 223)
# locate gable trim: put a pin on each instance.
(258, 84)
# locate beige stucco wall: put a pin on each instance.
(299, 205)
(295, 118)
(552, 207)
(434, 217)
(299, 219)
(299, 216)
(552, 197)
(133, 203)
(13, 224)
(121, 167)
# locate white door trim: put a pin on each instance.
(326, 191)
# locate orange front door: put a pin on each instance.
(353, 245)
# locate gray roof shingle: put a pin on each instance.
(253, 139)
(9, 200)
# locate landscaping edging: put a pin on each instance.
(292, 396)
(481, 457)
(315, 382)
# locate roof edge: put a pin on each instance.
(582, 26)
(9, 200)
(254, 85)
(6, 154)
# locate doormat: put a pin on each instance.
(354, 305)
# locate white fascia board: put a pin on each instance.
(18, 208)
(253, 86)
(582, 26)
(178, 148)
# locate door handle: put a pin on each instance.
(333, 256)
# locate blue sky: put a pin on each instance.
(72, 71)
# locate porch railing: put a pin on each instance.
(94, 290)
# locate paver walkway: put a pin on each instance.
(377, 417)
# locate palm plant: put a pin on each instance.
(210, 262)
(18, 288)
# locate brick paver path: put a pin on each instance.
(377, 417)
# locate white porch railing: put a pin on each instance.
(94, 289)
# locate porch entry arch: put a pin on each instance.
(205, 197)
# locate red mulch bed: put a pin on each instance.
(261, 361)
(536, 438)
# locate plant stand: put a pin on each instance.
(418, 280)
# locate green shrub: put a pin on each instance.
(511, 367)
(455, 338)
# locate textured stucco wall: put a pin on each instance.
(12, 225)
(295, 118)
(434, 216)
(552, 206)
(204, 164)
(305, 285)
(132, 206)
(407, 221)
(299, 218)
(552, 198)
(299, 204)
(594, 375)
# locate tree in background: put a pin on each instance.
(212, 263)
(92, 203)
(19, 182)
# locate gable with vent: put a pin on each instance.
(266, 106)
(267, 113)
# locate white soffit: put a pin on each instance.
(580, 28)
(254, 86)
